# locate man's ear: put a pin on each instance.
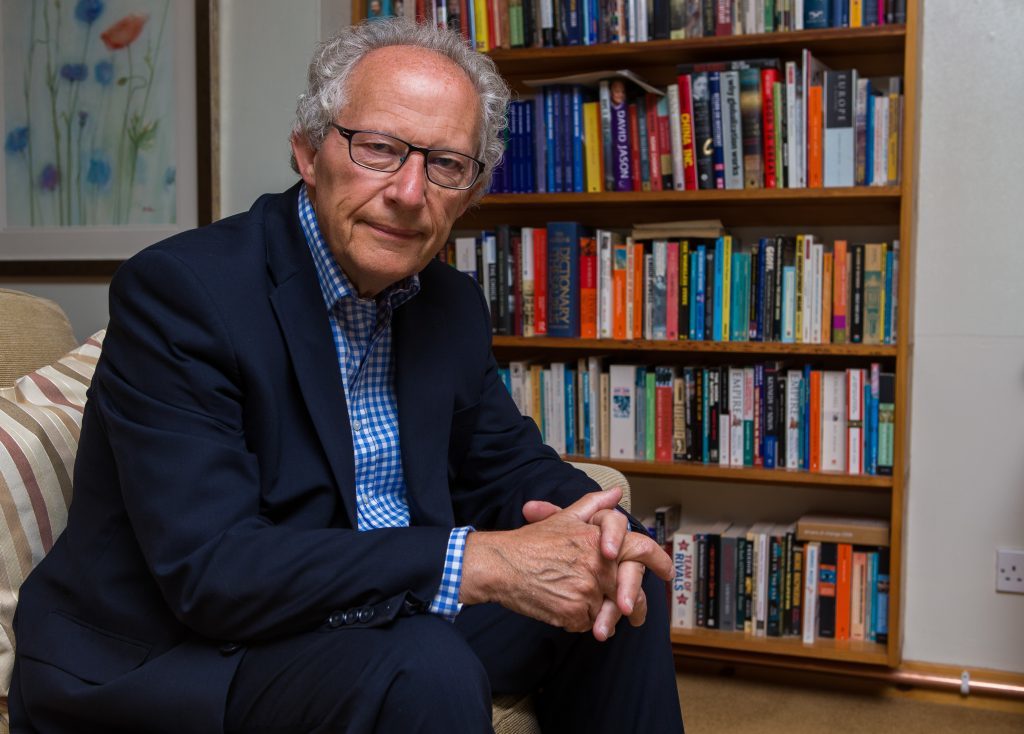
(305, 157)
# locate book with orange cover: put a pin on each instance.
(814, 427)
(844, 580)
(620, 274)
(814, 138)
(840, 292)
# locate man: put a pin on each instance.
(304, 501)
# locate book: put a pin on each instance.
(844, 589)
(852, 530)
(809, 631)
(563, 271)
(839, 134)
(684, 578)
(886, 422)
(622, 411)
(827, 561)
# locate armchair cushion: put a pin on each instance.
(40, 419)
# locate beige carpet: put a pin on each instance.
(719, 704)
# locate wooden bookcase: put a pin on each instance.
(874, 51)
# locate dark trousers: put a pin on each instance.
(424, 674)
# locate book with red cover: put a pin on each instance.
(588, 287)
(540, 281)
(689, 139)
(768, 79)
(663, 379)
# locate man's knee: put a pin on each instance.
(437, 678)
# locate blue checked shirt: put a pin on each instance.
(362, 338)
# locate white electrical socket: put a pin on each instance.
(1010, 571)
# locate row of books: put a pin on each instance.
(768, 415)
(492, 24)
(772, 580)
(566, 280)
(745, 124)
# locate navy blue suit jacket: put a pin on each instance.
(214, 500)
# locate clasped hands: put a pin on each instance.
(579, 568)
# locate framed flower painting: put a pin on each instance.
(99, 127)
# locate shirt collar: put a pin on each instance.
(334, 284)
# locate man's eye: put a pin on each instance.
(447, 163)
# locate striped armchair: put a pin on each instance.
(43, 383)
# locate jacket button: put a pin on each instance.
(365, 614)
(336, 619)
(351, 617)
(230, 648)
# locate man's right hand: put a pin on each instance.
(554, 569)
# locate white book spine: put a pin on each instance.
(732, 131)
(855, 420)
(465, 255)
(675, 128)
(490, 258)
(833, 421)
(880, 176)
(817, 264)
(809, 612)
(526, 265)
(724, 438)
(760, 629)
(794, 381)
(792, 128)
(735, 416)
(622, 409)
(683, 607)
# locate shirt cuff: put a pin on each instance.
(446, 601)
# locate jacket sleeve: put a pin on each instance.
(506, 462)
(169, 394)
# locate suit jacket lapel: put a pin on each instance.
(302, 316)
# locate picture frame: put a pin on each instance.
(94, 216)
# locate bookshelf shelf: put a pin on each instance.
(542, 345)
(861, 205)
(847, 651)
(693, 470)
(886, 210)
(874, 45)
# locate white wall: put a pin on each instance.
(966, 494)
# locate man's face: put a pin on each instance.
(383, 227)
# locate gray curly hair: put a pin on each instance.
(334, 60)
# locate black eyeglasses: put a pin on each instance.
(386, 153)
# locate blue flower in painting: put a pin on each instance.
(104, 71)
(99, 171)
(49, 179)
(74, 72)
(170, 175)
(17, 140)
(88, 11)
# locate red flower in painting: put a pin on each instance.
(124, 32)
